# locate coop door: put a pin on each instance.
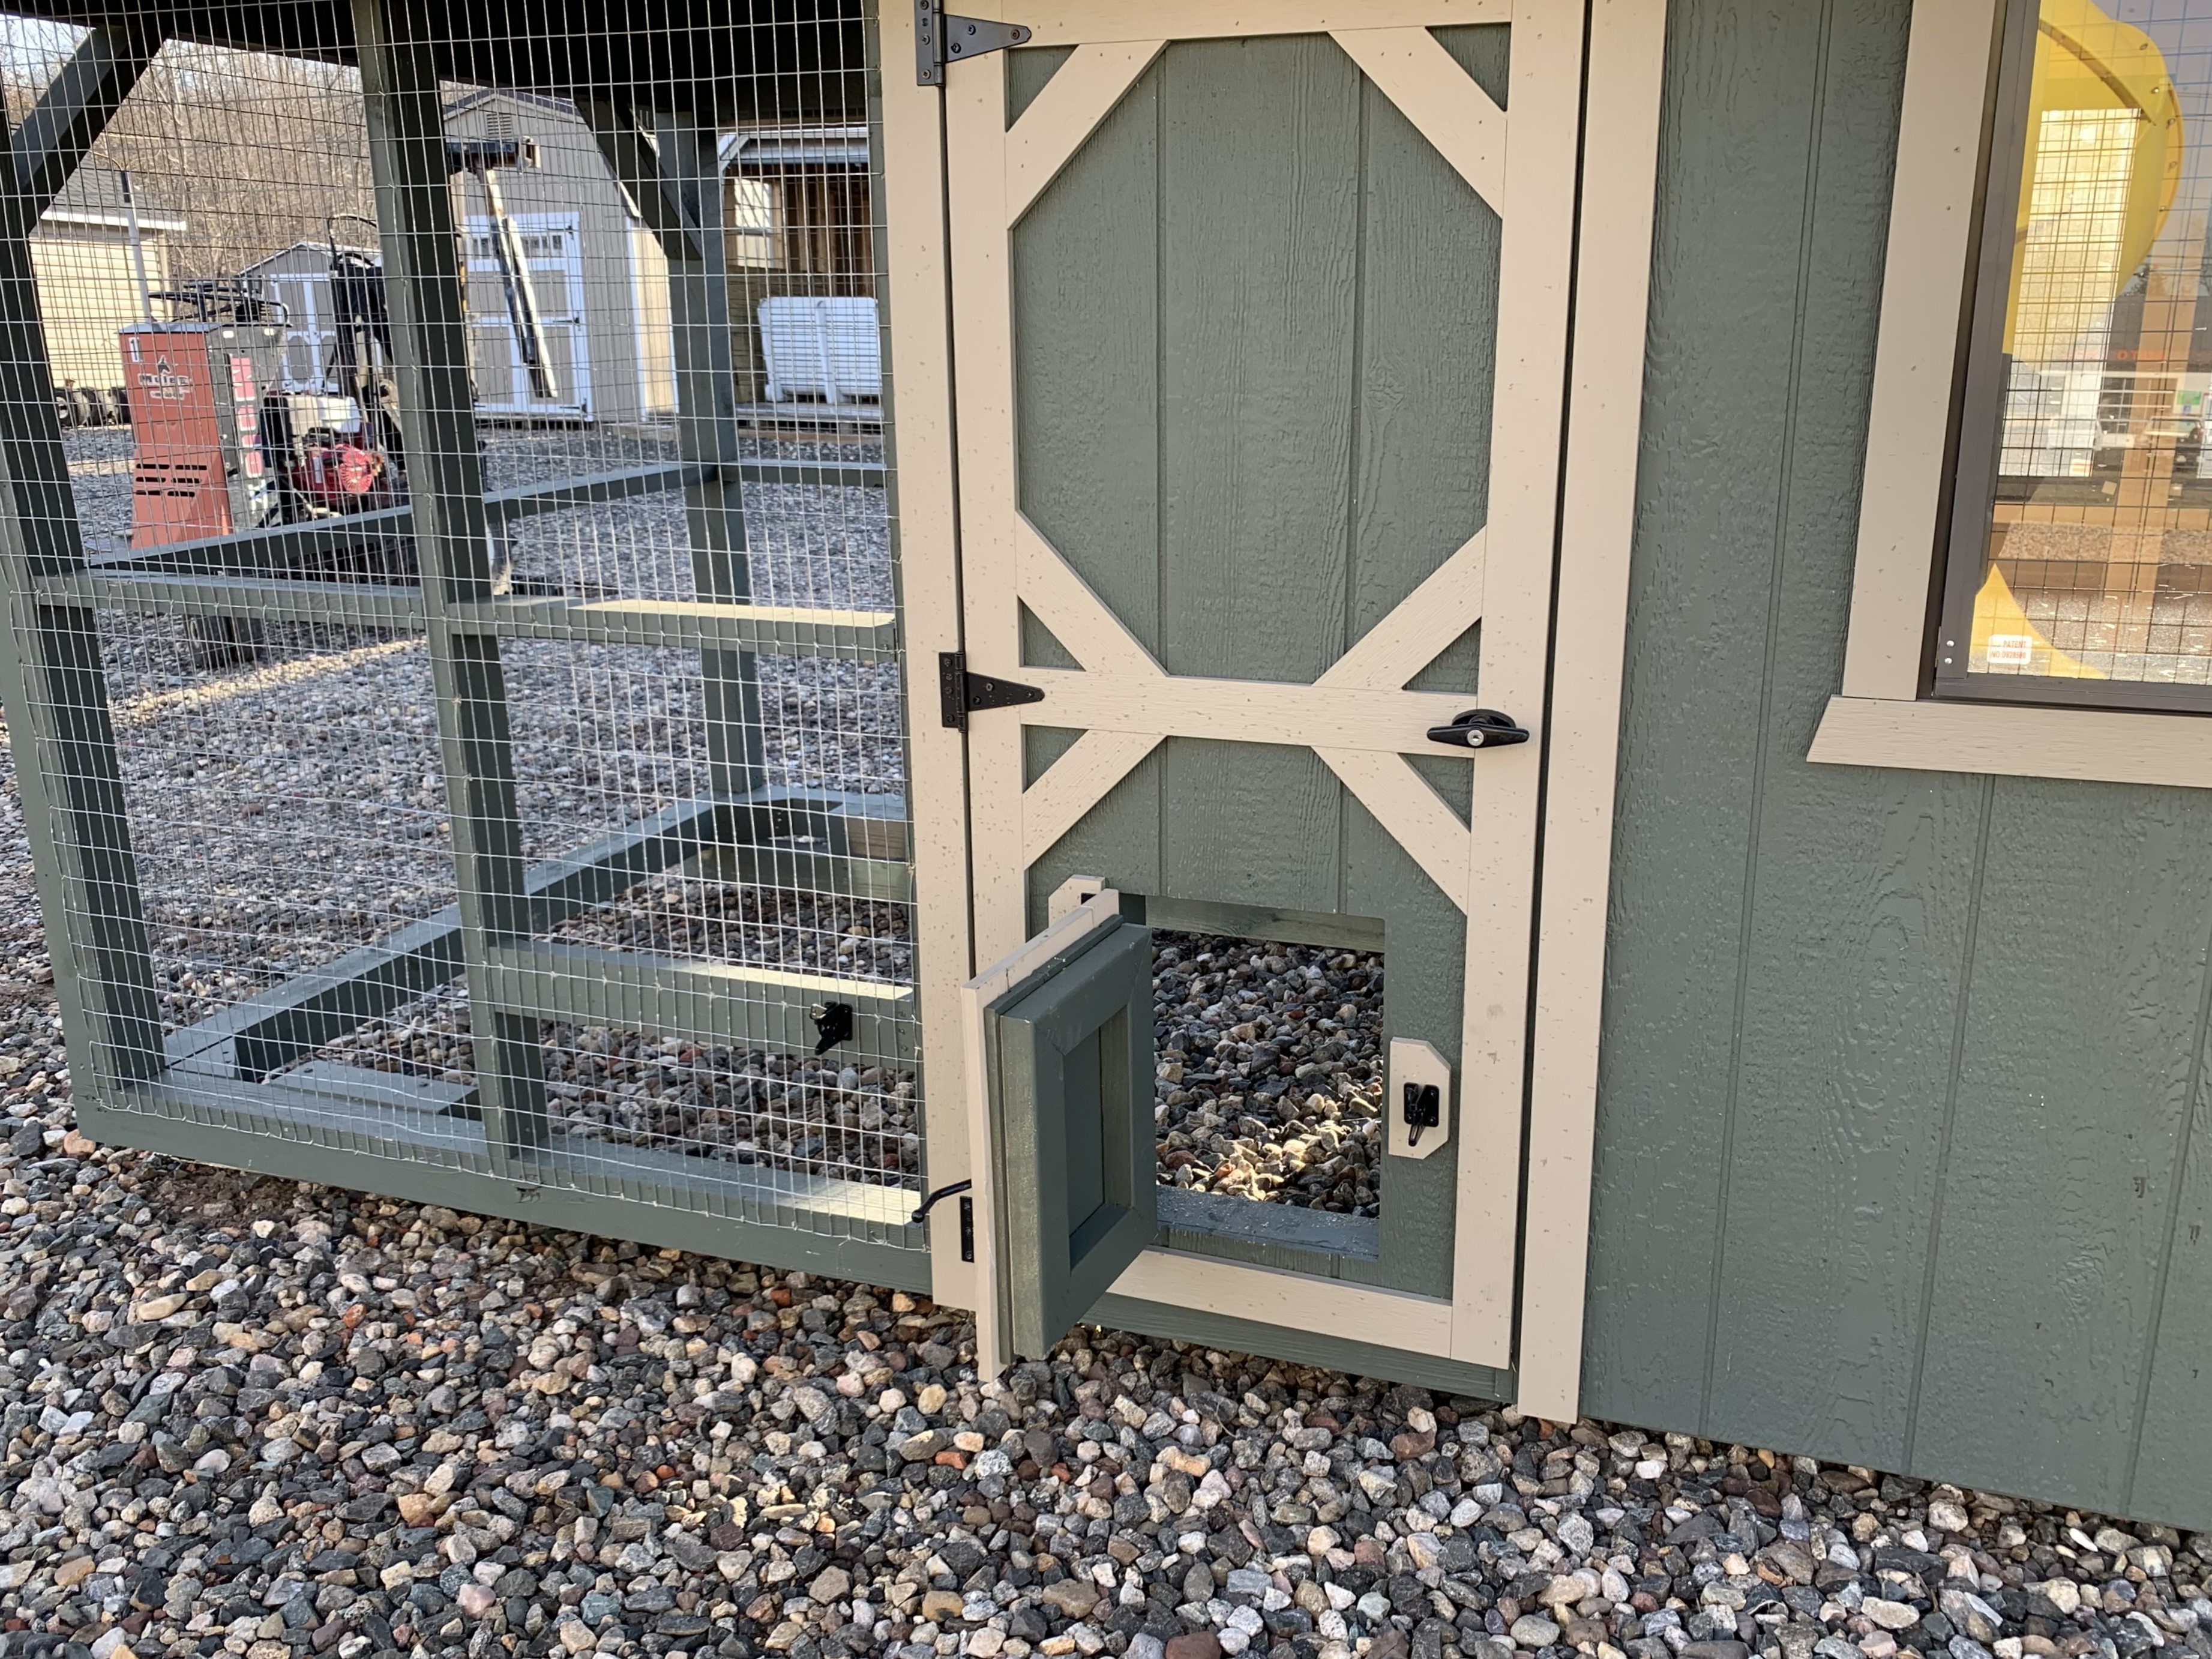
(1259, 367)
(1069, 1049)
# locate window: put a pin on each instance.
(752, 224)
(2080, 563)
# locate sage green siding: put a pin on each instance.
(1895, 1158)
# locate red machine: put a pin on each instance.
(195, 410)
(223, 447)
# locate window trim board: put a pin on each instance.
(2090, 745)
(1883, 718)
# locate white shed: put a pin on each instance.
(299, 279)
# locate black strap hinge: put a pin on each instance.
(939, 39)
(960, 694)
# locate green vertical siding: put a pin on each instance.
(1893, 1157)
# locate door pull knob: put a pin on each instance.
(1479, 728)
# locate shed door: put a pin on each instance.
(1260, 364)
(552, 243)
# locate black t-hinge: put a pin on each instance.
(939, 39)
(960, 694)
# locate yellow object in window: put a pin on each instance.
(2006, 641)
(2108, 178)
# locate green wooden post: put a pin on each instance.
(677, 182)
(52, 680)
(707, 431)
(429, 337)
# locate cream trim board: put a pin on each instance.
(917, 274)
(1261, 711)
(2093, 746)
(1238, 1290)
(1881, 719)
(1077, 617)
(1082, 92)
(1413, 813)
(1421, 628)
(1075, 783)
(1924, 278)
(1526, 443)
(1627, 45)
(1078, 22)
(1410, 67)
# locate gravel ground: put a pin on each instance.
(250, 1417)
(247, 1416)
(1270, 1082)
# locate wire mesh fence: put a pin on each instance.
(455, 647)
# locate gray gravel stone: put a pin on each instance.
(1270, 1071)
(245, 1417)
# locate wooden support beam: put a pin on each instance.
(429, 337)
(719, 1002)
(73, 111)
(51, 678)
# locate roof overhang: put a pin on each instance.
(729, 61)
(109, 220)
(768, 152)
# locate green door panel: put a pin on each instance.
(1070, 1056)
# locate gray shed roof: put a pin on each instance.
(321, 250)
(94, 195)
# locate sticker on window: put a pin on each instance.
(2010, 650)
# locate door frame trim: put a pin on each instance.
(1625, 48)
(1612, 287)
(1003, 555)
(917, 311)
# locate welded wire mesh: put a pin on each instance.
(482, 534)
(284, 811)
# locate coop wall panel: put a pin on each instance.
(1894, 1163)
(511, 789)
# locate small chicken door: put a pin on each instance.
(1068, 1057)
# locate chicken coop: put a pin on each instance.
(1501, 693)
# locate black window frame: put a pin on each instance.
(1977, 423)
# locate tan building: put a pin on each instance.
(799, 224)
(88, 284)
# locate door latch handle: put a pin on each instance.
(833, 1024)
(1479, 728)
(1424, 1108)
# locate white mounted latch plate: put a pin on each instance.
(939, 39)
(1071, 895)
(1417, 1099)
